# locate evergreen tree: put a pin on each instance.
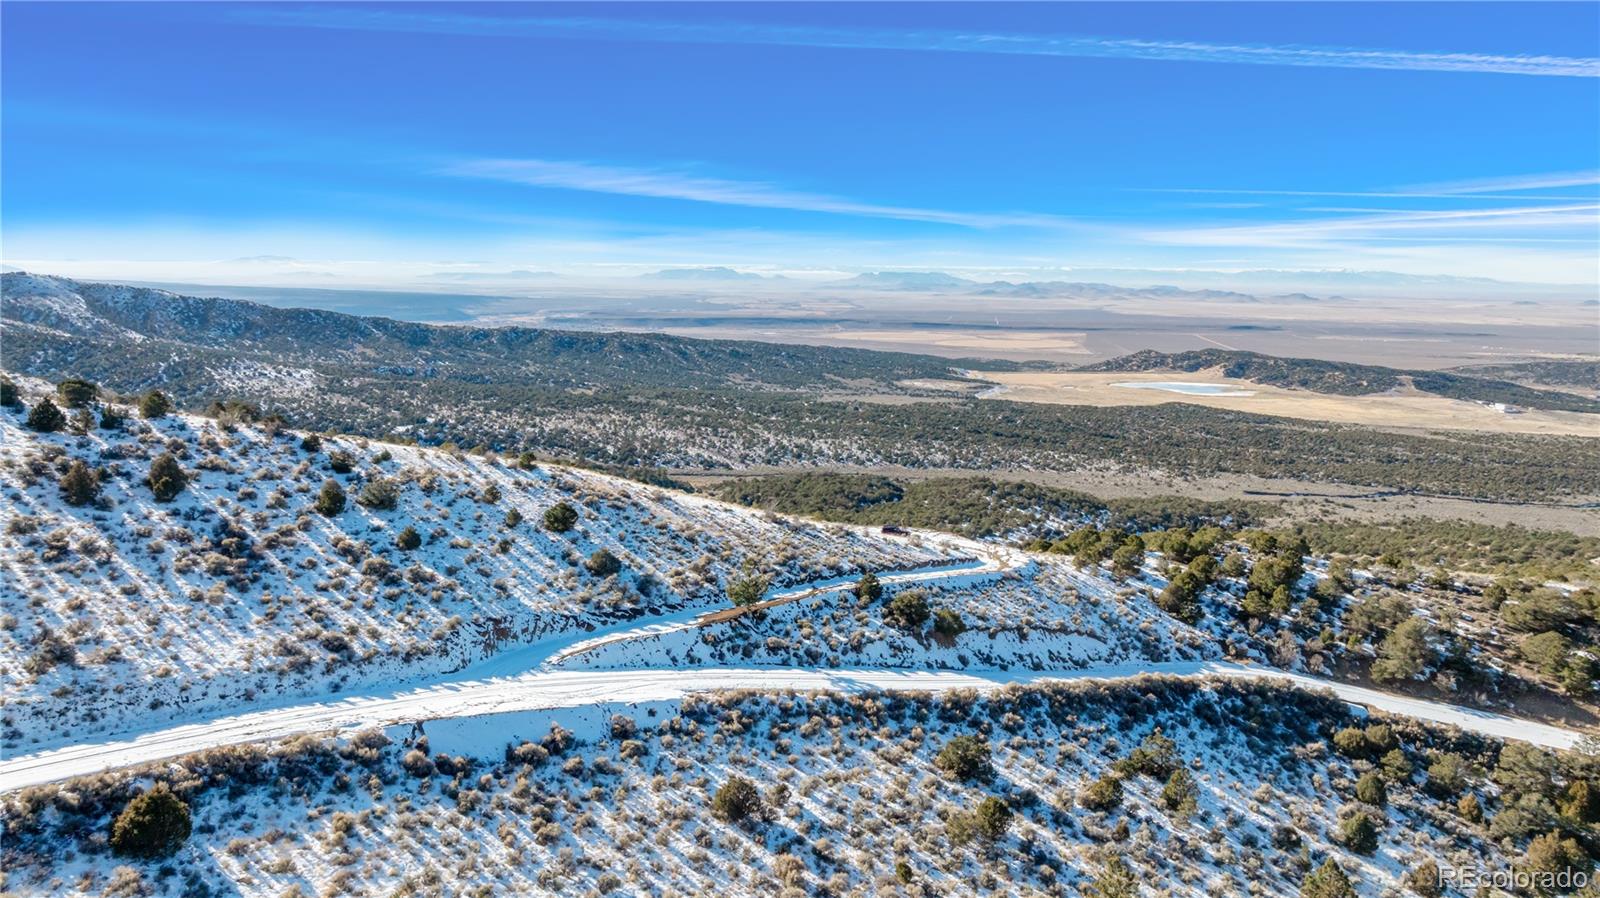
(46, 417)
(80, 485)
(1128, 557)
(1552, 855)
(75, 392)
(167, 478)
(1370, 789)
(993, 817)
(560, 518)
(736, 800)
(747, 590)
(868, 588)
(1104, 794)
(1580, 802)
(380, 493)
(947, 622)
(1327, 881)
(907, 610)
(1359, 833)
(408, 539)
(1115, 880)
(966, 758)
(154, 825)
(1405, 653)
(602, 563)
(1180, 795)
(155, 404)
(330, 499)
(9, 396)
(1181, 597)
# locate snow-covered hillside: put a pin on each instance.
(1043, 615)
(1217, 788)
(239, 593)
(124, 611)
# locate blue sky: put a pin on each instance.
(372, 142)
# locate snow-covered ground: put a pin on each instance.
(177, 614)
(615, 798)
(128, 611)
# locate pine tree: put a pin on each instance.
(80, 485)
(747, 590)
(330, 499)
(1327, 881)
(1115, 880)
(167, 478)
(1370, 789)
(868, 589)
(1359, 833)
(408, 539)
(736, 800)
(993, 817)
(560, 518)
(602, 563)
(1581, 802)
(75, 392)
(46, 417)
(154, 825)
(1180, 795)
(155, 404)
(380, 493)
(965, 758)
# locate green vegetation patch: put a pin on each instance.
(975, 506)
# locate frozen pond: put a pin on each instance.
(1189, 389)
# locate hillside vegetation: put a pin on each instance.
(1155, 787)
(176, 565)
(974, 506)
(643, 401)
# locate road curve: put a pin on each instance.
(546, 688)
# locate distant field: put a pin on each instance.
(1407, 409)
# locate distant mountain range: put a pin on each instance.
(1261, 284)
(941, 282)
(713, 273)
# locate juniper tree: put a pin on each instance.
(330, 499)
(560, 517)
(46, 417)
(154, 825)
(167, 478)
(155, 404)
(80, 485)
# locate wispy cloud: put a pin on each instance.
(677, 185)
(366, 18)
(1418, 193)
(1480, 186)
(1557, 224)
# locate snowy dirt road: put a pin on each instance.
(494, 688)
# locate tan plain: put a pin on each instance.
(1410, 409)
